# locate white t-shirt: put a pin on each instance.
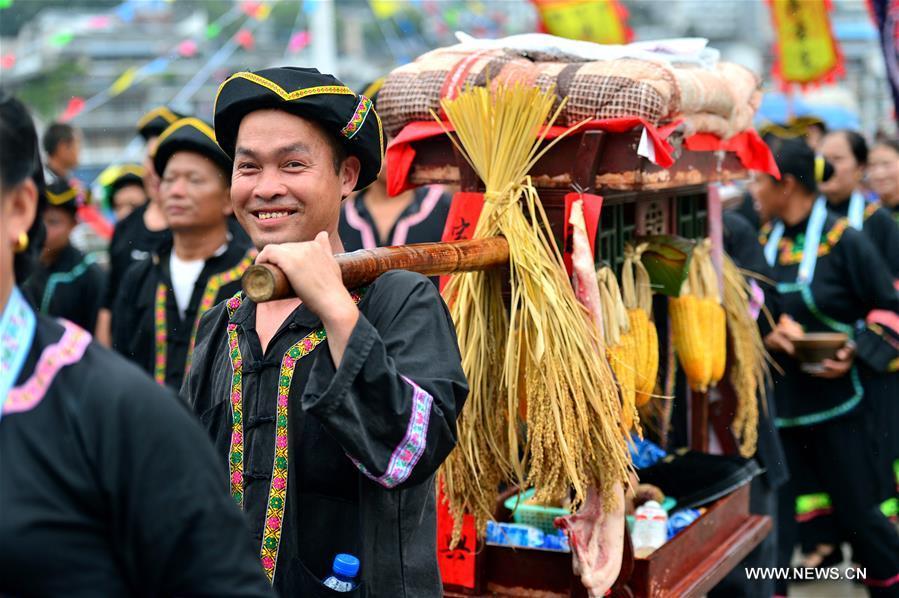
(184, 275)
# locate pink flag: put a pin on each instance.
(76, 105)
(187, 48)
(298, 41)
(245, 38)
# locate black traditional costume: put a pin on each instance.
(148, 326)
(329, 459)
(421, 222)
(108, 487)
(830, 277)
(131, 240)
(73, 285)
(740, 244)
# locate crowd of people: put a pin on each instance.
(328, 413)
(343, 404)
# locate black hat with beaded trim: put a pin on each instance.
(309, 94)
(62, 194)
(190, 135)
(157, 120)
(127, 174)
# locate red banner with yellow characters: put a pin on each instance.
(599, 21)
(806, 51)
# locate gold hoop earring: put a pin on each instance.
(22, 243)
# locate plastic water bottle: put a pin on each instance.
(343, 573)
(650, 528)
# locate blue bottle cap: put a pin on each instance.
(346, 565)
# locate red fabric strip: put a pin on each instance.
(401, 154)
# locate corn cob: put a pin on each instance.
(713, 314)
(717, 336)
(621, 348)
(637, 296)
(690, 343)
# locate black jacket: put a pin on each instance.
(357, 446)
(158, 340)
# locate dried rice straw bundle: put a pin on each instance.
(554, 379)
(636, 292)
(749, 366)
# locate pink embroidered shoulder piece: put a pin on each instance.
(67, 350)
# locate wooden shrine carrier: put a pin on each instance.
(639, 198)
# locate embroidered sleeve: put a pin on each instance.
(410, 449)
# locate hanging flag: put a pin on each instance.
(213, 30)
(599, 21)
(123, 82)
(806, 51)
(7, 61)
(187, 48)
(298, 41)
(125, 12)
(249, 7)
(155, 67)
(74, 107)
(262, 12)
(245, 38)
(384, 9)
(5, 4)
(886, 18)
(99, 22)
(63, 38)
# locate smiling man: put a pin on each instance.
(161, 300)
(336, 408)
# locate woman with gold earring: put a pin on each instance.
(98, 464)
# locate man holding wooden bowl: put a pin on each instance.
(334, 406)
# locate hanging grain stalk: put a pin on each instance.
(553, 377)
(698, 323)
(636, 292)
(749, 367)
(621, 346)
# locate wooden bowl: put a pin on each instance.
(814, 347)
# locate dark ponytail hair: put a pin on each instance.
(857, 145)
(20, 160)
(795, 158)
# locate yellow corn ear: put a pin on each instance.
(621, 358)
(716, 320)
(690, 340)
(647, 359)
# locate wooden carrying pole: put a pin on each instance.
(265, 282)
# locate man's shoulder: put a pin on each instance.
(396, 292)
(399, 283)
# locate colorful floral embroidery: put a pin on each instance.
(412, 447)
(358, 118)
(17, 331)
(160, 333)
(871, 208)
(790, 251)
(207, 301)
(67, 350)
(277, 494)
(210, 293)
